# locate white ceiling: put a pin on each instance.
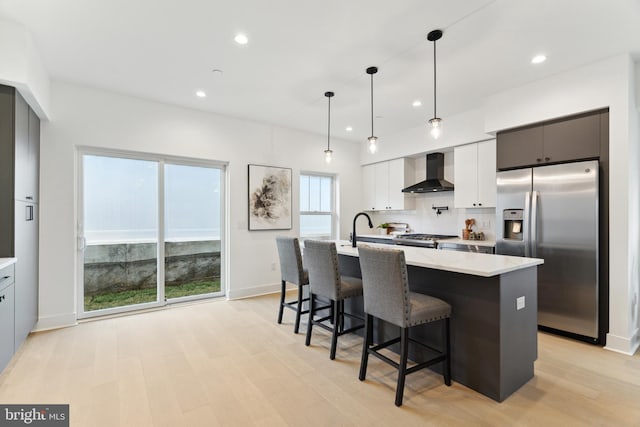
(165, 50)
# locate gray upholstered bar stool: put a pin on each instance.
(291, 271)
(325, 281)
(387, 297)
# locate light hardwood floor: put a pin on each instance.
(230, 363)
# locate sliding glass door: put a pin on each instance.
(127, 207)
(192, 237)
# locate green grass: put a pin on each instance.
(139, 296)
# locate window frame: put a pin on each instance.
(332, 212)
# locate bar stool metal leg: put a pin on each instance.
(402, 368)
(368, 338)
(299, 310)
(337, 317)
(312, 310)
(282, 295)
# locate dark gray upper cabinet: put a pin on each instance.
(19, 147)
(519, 147)
(33, 168)
(22, 186)
(6, 170)
(575, 138)
(604, 135)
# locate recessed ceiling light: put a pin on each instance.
(416, 103)
(241, 39)
(538, 59)
(348, 128)
(201, 94)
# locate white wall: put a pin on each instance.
(22, 68)
(90, 117)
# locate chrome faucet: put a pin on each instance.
(353, 235)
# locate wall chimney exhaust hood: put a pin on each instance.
(435, 177)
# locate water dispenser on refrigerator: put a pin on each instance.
(512, 220)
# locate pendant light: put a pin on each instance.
(328, 152)
(373, 147)
(435, 122)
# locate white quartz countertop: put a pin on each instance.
(5, 262)
(486, 265)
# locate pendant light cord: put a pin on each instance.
(372, 104)
(434, 80)
(329, 127)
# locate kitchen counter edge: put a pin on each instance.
(6, 262)
(477, 264)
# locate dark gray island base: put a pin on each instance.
(493, 344)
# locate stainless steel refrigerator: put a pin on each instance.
(551, 212)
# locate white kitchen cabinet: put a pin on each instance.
(475, 175)
(383, 183)
(369, 187)
(381, 179)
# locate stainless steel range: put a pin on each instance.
(422, 240)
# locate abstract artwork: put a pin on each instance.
(269, 198)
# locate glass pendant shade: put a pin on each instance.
(373, 146)
(436, 127)
(327, 155)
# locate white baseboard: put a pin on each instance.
(624, 345)
(70, 319)
(253, 291)
(56, 322)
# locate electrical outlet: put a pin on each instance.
(486, 224)
(519, 303)
(273, 266)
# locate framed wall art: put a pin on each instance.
(269, 198)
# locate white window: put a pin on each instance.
(317, 207)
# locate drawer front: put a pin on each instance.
(6, 276)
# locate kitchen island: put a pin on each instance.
(494, 312)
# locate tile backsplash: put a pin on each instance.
(424, 218)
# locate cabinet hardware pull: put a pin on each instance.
(547, 159)
(479, 204)
(29, 197)
(538, 159)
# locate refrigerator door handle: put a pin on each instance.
(534, 223)
(527, 237)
